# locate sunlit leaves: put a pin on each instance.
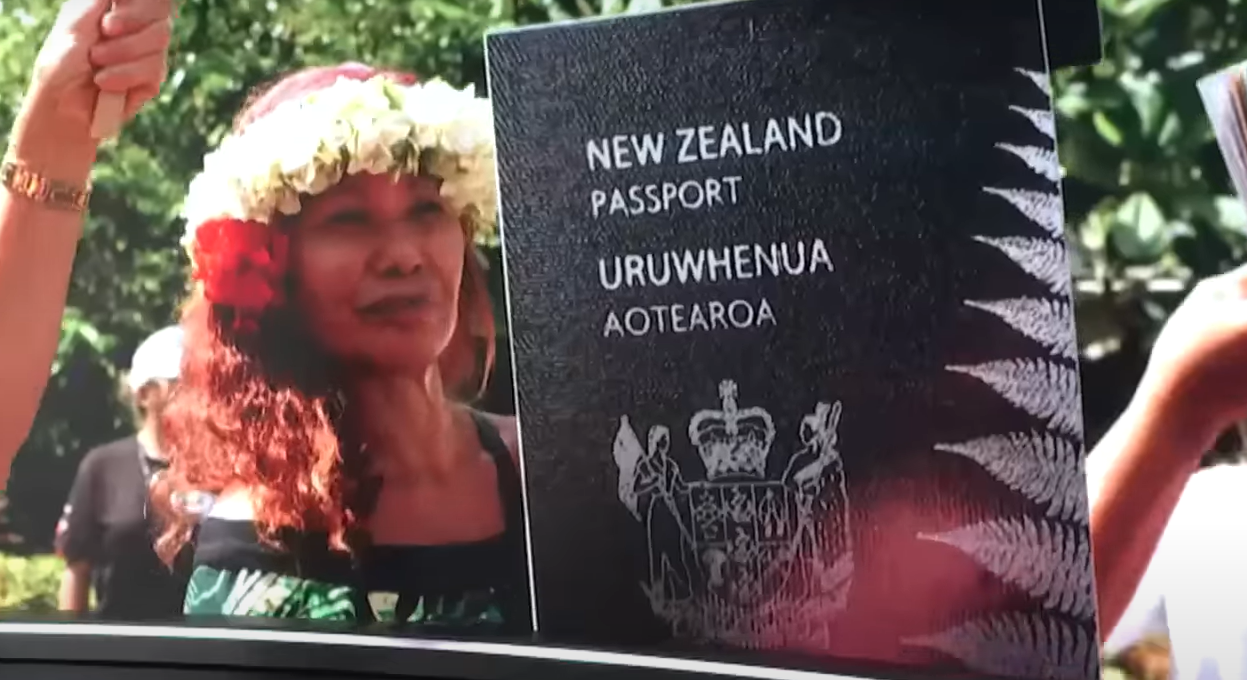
(1142, 168)
(1140, 231)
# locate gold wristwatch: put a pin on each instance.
(25, 183)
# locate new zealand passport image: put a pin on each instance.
(793, 334)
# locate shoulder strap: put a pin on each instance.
(490, 438)
(509, 486)
(510, 490)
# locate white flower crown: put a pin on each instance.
(305, 146)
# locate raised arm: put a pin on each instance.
(1194, 388)
(46, 174)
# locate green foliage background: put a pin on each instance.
(130, 273)
(1149, 205)
(29, 584)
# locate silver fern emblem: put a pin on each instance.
(1021, 646)
(1042, 119)
(1049, 561)
(1042, 160)
(1044, 468)
(1040, 80)
(1040, 207)
(1043, 259)
(1044, 389)
(1048, 322)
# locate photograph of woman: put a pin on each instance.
(338, 325)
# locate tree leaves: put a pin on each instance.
(1140, 231)
(1136, 143)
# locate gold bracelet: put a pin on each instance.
(25, 183)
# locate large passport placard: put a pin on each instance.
(793, 334)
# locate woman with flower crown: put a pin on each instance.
(338, 319)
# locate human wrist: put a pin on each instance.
(60, 150)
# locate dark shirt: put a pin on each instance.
(107, 524)
(468, 588)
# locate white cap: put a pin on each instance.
(159, 357)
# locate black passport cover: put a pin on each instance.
(885, 465)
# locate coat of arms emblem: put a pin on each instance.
(752, 550)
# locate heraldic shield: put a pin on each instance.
(737, 555)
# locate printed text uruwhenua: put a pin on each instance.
(709, 265)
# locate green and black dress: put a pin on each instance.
(476, 588)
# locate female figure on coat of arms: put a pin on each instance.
(736, 555)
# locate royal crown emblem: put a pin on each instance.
(741, 553)
(732, 442)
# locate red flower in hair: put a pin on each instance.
(241, 265)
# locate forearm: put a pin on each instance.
(1136, 475)
(75, 593)
(37, 245)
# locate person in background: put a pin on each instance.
(1170, 540)
(45, 182)
(107, 532)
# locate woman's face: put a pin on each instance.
(152, 398)
(377, 265)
